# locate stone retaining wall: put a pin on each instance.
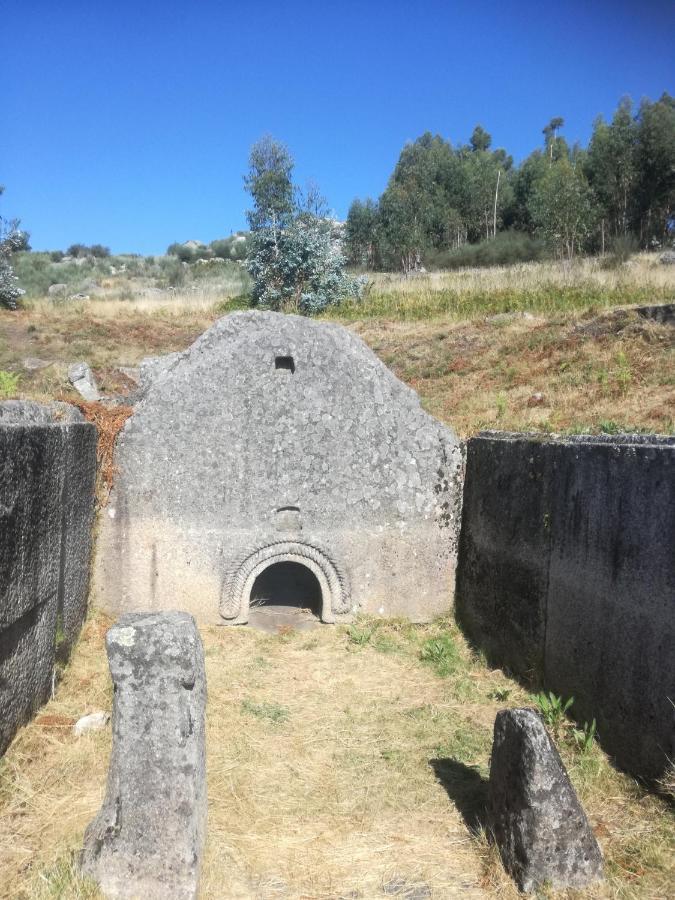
(47, 482)
(566, 573)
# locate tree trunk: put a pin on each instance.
(494, 219)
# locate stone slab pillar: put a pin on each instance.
(148, 837)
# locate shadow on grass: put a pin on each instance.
(466, 787)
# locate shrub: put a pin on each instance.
(11, 241)
(8, 384)
(507, 248)
(622, 247)
(301, 269)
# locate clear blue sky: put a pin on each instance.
(129, 124)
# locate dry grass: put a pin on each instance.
(338, 762)
(547, 288)
(109, 421)
(604, 371)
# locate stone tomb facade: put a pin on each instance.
(280, 441)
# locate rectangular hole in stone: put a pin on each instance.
(284, 362)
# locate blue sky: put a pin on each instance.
(129, 124)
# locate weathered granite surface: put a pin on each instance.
(280, 439)
(47, 476)
(567, 572)
(148, 837)
(534, 813)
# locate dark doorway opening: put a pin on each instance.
(289, 585)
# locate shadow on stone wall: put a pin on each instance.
(47, 483)
(566, 577)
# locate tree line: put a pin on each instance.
(441, 199)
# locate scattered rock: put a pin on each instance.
(537, 399)
(663, 313)
(82, 379)
(79, 296)
(667, 258)
(534, 814)
(33, 364)
(148, 837)
(93, 722)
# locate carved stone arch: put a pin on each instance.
(235, 598)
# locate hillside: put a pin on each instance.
(535, 346)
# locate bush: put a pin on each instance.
(622, 247)
(11, 241)
(302, 269)
(507, 248)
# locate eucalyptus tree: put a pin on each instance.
(12, 239)
(561, 208)
(295, 250)
(655, 164)
(611, 169)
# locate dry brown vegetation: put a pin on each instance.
(596, 366)
(339, 762)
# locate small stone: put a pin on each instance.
(93, 722)
(148, 837)
(33, 364)
(534, 813)
(82, 379)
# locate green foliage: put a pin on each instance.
(361, 233)
(64, 881)
(584, 737)
(295, 256)
(82, 251)
(506, 249)
(235, 247)
(268, 712)
(190, 251)
(553, 709)
(441, 200)
(441, 653)
(561, 208)
(360, 633)
(12, 241)
(9, 384)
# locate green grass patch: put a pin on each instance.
(268, 712)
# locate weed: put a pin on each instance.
(9, 384)
(385, 643)
(360, 633)
(441, 653)
(501, 696)
(553, 709)
(622, 373)
(64, 881)
(502, 405)
(269, 712)
(584, 737)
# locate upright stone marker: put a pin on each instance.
(148, 837)
(534, 813)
